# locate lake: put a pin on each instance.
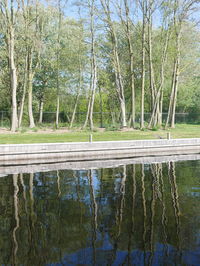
(139, 214)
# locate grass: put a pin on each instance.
(181, 131)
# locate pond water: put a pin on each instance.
(130, 215)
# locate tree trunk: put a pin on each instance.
(41, 111)
(123, 112)
(116, 62)
(131, 57)
(74, 111)
(175, 79)
(118, 81)
(13, 79)
(21, 108)
(88, 110)
(93, 79)
(156, 116)
(57, 111)
(151, 70)
(143, 65)
(101, 107)
(169, 114)
(173, 98)
(30, 90)
(30, 101)
(176, 82)
(160, 120)
(94, 84)
(79, 90)
(58, 61)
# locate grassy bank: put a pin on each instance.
(181, 131)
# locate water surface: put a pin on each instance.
(130, 215)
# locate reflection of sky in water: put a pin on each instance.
(163, 255)
(194, 192)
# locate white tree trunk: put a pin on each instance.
(143, 67)
(13, 80)
(57, 111)
(21, 109)
(41, 111)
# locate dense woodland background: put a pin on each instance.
(99, 61)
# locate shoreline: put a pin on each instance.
(42, 153)
(86, 165)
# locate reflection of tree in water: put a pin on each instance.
(175, 199)
(58, 182)
(78, 192)
(119, 214)
(157, 202)
(132, 226)
(32, 219)
(164, 215)
(144, 210)
(16, 214)
(155, 196)
(96, 215)
(59, 213)
(24, 193)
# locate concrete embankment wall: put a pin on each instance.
(86, 165)
(18, 154)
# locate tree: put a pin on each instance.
(93, 77)
(9, 17)
(143, 4)
(126, 22)
(116, 62)
(181, 10)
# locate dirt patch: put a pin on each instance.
(29, 131)
(45, 131)
(6, 131)
(127, 129)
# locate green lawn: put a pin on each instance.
(181, 131)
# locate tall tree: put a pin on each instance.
(58, 63)
(157, 87)
(9, 18)
(116, 61)
(126, 22)
(93, 77)
(143, 4)
(181, 11)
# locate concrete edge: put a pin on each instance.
(97, 164)
(101, 142)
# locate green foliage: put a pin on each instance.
(66, 64)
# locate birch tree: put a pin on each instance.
(58, 63)
(143, 5)
(126, 22)
(181, 11)
(9, 18)
(93, 77)
(116, 61)
(157, 87)
(33, 33)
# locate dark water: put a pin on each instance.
(130, 215)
